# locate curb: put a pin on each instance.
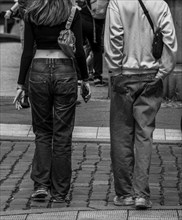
(82, 140)
(51, 210)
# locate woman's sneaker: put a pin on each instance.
(123, 201)
(59, 199)
(142, 203)
(40, 193)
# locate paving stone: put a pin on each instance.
(153, 215)
(103, 215)
(14, 217)
(78, 203)
(54, 216)
(101, 196)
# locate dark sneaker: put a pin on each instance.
(79, 82)
(123, 201)
(40, 193)
(78, 102)
(99, 82)
(91, 76)
(142, 203)
(58, 199)
(25, 102)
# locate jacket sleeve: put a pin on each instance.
(168, 59)
(113, 39)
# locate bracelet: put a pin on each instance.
(11, 10)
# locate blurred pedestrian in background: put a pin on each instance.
(18, 10)
(52, 93)
(93, 31)
(136, 93)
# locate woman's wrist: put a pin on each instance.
(19, 86)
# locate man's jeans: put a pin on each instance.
(53, 95)
(135, 102)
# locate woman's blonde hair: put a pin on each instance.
(48, 12)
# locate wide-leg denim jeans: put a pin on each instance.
(135, 102)
(53, 95)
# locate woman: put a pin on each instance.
(52, 92)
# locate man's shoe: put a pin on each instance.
(40, 193)
(78, 102)
(142, 203)
(123, 201)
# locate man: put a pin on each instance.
(136, 93)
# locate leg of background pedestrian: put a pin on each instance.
(96, 47)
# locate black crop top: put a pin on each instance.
(45, 37)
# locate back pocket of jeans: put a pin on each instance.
(66, 92)
(119, 84)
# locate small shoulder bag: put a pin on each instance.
(157, 45)
(66, 39)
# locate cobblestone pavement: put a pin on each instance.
(92, 178)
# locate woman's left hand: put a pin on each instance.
(18, 98)
(85, 91)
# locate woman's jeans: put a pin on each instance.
(135, 101)
(53, 95)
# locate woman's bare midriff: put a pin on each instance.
(50, 54)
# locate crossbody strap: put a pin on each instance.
(71, 17)
(147, 14)
(94, 27)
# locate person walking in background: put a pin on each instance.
(136, 93)
(92, 31)
(18, 9)
(11, 13)
(12, 10)
(52, 93)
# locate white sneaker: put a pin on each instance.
(123, 201)
(142, 203)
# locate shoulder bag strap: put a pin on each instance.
(147, 14)
(71, 17)
(94, 27)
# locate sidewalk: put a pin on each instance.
(92, 189)
(92, 120)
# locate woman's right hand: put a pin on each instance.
(8, 14)
(18, 98)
